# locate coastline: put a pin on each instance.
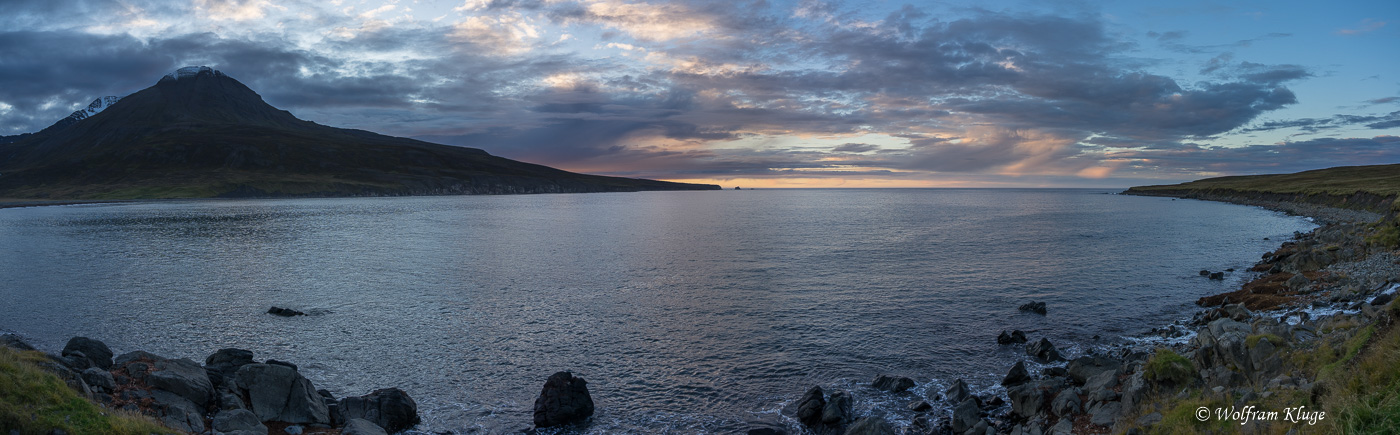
(1276, 352)
(993, 404)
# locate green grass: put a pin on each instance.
(1387, 234)
(1381, 180)
(33, 401)
(1166, 366)
(1253, 340)
(1365, 396)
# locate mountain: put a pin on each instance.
(78, 115)
(1371, 188)
(199, 133)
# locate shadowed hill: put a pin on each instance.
(199, 133)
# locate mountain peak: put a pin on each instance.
(191, 72)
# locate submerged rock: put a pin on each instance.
(892, 384)
(284, 312)
(1016, 336)
(1034, 307)
(563, 400)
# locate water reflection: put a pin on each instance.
(684, 310)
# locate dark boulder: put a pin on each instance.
(227, 361)
(1205, 272)
(95, 351)
(1218, 276)
(839, 409)
(1043, 351)
(1017, 376)
(100, 380)
(177, 412)
(809, 407)
(920, 406)
(1027, 399)
(957, 392)
(870, 426)
(238, 422)
(563, 400)
(278, 393)
(184, 378)
(359, 426)
(966, 415)
(892, 384)
(1034, 307)
(1085, 367)
(1016, 336)
(390, 408)
(1383, 299)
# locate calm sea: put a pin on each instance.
(686, 312)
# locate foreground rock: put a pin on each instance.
(828, 415)
(389, 408)
(238, 422)
(96, 352)
(563, 400)
(279, 393)
(1043, 351)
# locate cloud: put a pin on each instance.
(1366, 26)
(733, 89)
(854, 148)
(1312, 125)
(1193, 160)
(235, 10)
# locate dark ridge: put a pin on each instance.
(202, 134)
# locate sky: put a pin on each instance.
(805, 93)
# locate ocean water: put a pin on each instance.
(687, 312)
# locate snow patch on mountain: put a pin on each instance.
(96, 107)
(191, 71)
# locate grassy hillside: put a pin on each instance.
(1359, 187)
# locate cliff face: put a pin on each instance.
(199, 133)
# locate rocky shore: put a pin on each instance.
(229, 394)
(1283, 354)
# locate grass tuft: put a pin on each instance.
(1166, 366)
(33, 401)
